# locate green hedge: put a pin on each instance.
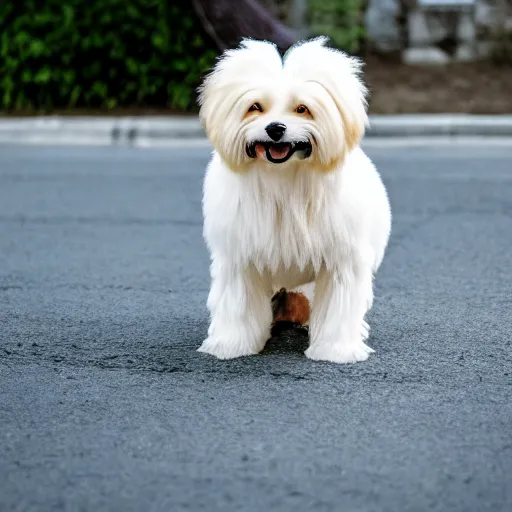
(341, 20)
(100, 54)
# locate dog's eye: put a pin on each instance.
(302, 109)
(255, 107)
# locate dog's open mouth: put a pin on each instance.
(279, 152)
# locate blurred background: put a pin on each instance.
(147, 56)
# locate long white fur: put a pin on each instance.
(322, 221)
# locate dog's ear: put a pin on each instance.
(340, 75)
(235, 71)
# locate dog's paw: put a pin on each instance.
(227, 349)
(339, 353)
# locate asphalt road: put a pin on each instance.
(105, 405)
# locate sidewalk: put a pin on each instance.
(106, 131)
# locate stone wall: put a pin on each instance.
(439, 37)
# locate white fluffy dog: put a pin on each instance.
(290, 198)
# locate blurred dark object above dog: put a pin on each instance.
(227, 24)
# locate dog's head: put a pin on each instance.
(307, 108)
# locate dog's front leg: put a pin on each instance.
(239, 304)
(337, 329)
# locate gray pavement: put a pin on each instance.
(106, 406)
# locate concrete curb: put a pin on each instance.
(131, 131)
(103, 131)
(442, 125)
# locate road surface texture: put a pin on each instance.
(105, 405)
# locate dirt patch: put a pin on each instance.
(473, 88)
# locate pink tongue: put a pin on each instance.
(260, 151)
(279, 152)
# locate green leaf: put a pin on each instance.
(75, 94)
(69, 76)
(99, 88)
(180, 65)
(131, 65)
(6, 99)
(36, 48)
(68, 13)
(43, 75)
(158, 41)
(21, 38)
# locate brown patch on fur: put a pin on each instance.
(353, 134)
(330, 166)
(291, 307)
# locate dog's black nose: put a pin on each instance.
(275, 130)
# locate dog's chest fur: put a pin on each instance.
(287, 224)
